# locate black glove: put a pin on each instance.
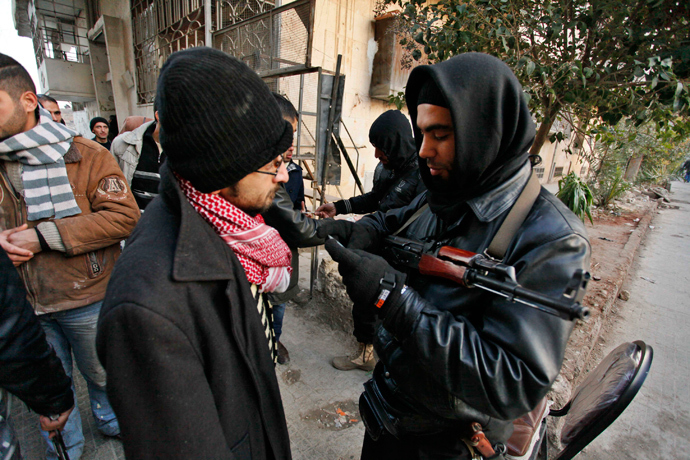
(350, 234)
(367, 277)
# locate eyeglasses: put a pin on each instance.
(268, 172)
(282, 162)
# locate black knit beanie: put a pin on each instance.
(219, 121)
(97, 120)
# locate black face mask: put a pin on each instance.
(491, 121)
(391, 134)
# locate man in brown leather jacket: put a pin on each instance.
(65, 207)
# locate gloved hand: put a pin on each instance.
(362, 274)
(350, 234)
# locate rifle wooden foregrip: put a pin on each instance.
(459, 256)
(429, 265)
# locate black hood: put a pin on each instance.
(391, 133)
(491, 121)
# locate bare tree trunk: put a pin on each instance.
(600, 166)
(633, 167)
(540, 138)
(544, 128)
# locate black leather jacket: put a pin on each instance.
(468, 355)
(295, 228)
(29, 367)
(399, 191)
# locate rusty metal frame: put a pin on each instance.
(295, 69)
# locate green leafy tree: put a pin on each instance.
(589, 62)
(660, 151)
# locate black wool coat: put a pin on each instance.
(190, 373)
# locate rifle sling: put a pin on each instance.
(499, 244)
(517, 215)
(411, 219)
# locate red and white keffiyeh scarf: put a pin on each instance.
(263, 254)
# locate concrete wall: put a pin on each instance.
(101, 78)
(555, 155)
(81, 123)
(121, 57)
(347, 27)
(65, 80)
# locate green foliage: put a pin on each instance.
(576, 195)
(652, 175)
(609, 187)
(599, 61)
(398, 100)
(662, 147)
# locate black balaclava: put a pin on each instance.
(391, 133)
(491, 122)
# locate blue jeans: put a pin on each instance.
(278, 313)
(74, 331)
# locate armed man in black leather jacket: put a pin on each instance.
(451, 356)
(394, 187)
(394, 148)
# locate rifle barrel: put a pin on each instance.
(514, 292)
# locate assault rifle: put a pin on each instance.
(477, 270)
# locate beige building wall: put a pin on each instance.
(346, 27)
(343, 27)
(557, 162)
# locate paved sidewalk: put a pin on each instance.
(657, 423)
(96, 446)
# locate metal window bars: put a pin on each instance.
(160, 28)
(230, 12)
(276, 42)
(59, 31)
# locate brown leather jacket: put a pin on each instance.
(57, 281)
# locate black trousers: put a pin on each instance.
(439, 446)
(365, 323)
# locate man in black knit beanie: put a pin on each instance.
(186, 331)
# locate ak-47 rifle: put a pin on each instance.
(477, 270)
